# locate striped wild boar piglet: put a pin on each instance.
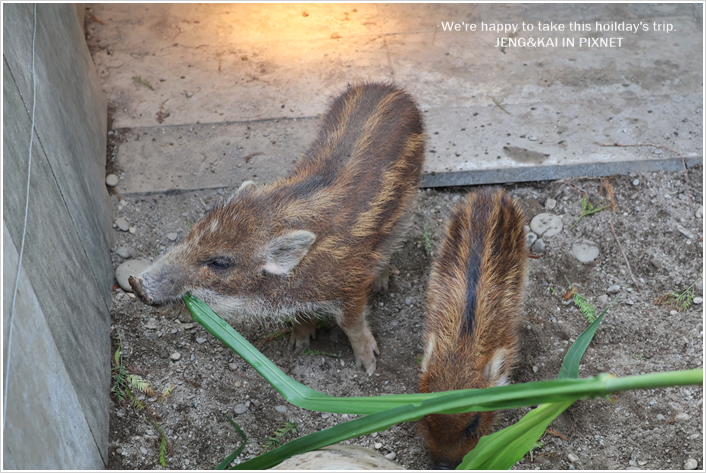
(315, 242)
(474, 304)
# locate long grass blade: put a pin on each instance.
(572, 360)
(506, 447)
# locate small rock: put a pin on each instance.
(122, 224)
(530, 238)
(233, 366)
(378, 446)
(682, 417)
(539, 246)
(657, 151)
(112, 180)
(415, 450)
(614, 289)
(238, 384)
(659, 417)
(546, 224)
(636, 182)
(172, 236)
(200, 340)
(690, 464)
(118, 451)
(151, 324)
(256, 403)
(391, 456)
(532, 138)
(550, 204)
(408, 301)
(603, 299)
(325, 415)
(535, 369)
(129, 268)
(125, 252)
(585, 250)
(240, 409)
(699, 212)
(281, 409)
(176, 356)
(132, 230)
(573, 458)
(698, 300)
(164, 354)
(192, 358)
(683, 231)
(143, 450)
(188, 326)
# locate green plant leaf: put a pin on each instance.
(224, 464)
(506, 447)
(572, 360)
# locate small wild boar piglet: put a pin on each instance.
(315, 241)
(474, 304)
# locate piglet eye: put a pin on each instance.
(220, 263)
(471, 429)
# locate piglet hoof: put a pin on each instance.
(382, 280)
(366, 358)
(299, 341)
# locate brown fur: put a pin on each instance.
(315, 240)
(485, 238)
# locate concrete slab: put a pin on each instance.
(71, 118)
(221, 64)
(57, 264)
(45, 426)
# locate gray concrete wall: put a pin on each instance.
(59, 359)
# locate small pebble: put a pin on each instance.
(282, 409)
(172, 236)
(143, 450)
(530, 238)
(659, 417)
(539, 246)
(585, 250)
(378, 446)
(129, 268)
(699, 212)
(572, 458)
(657, 151)
(125, 252)
(176, 356)
(550, 204)
(112, 180)
(240, 409)
(636, 182)
(122, 224)
(132, 230)
(532, 138)
(683, 231)
(682, 417)
(151, 324)
(408, 301)
(690, 464)
(614, 289)
(238, 384)
(164, 354)
(200, 340)
(546, 224)
(233, 366)
(325, 415)
(535, 369)
(391, 456)
(118, 451)
(603, 299)
(698, 300)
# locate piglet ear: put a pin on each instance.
(284, 252)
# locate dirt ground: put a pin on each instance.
(659, 230)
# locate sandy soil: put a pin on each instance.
(659, 230)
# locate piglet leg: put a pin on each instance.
(364, 345)
(302, 329)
